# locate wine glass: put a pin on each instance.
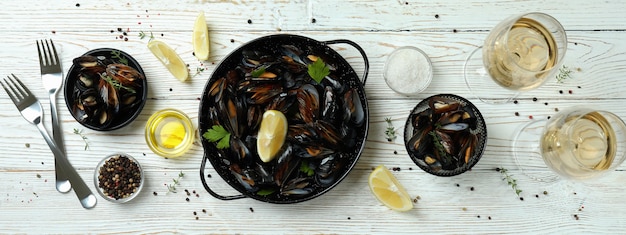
(578, 144)
(519, 54)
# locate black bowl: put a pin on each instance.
(124, 116)
(434, 159)
(227, 162)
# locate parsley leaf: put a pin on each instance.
(218, 134)
(318, 70)
(304, 167)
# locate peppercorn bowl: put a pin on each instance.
(118, 178)
(445, 135)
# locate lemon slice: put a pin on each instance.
(200, 38)
(272, 133)
(388, 190)
(169, 58)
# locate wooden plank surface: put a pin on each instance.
(446, 30)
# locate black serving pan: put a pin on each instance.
(270, 44)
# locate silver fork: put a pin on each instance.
(52, 79)
(32, 111)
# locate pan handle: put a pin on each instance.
(206, 186)
(353, 44)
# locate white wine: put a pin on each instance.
(579, 147)
(523, 58)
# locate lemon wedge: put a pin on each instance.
(388, 190)
(172, 134)
(169, 58)
(271, 136)
(200, 38)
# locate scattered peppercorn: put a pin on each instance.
(546, 103)
(548, 117)
(197, 218)
(521, 198)
(472, 189)
(556, 109)
(530, 116)
(534, 98)
(498, 169)
(489, 217)
(437, 16)
(119, 29)
(458, 185)
(249, 21)
(348, 218)
(454, 31)
(560, 91)
(186, 199)
(251, 209)
(537, 195)
(203, 210)
(194, 213)
(570, 91)
(576, 217)
(27, 145)
(516, 113)
(395, 152)
(410, 168)
(119, 177)
(313, 20)
(579, 87)
(170, 89)
(38, 176)
(515, 102)
(545, 192)
(208, 176)
(77, 4)
(478, 216)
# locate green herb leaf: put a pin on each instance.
(391, 130)
(80, 133)
(509, 180)
(304, 167)
(218, 134)
(143, 35)
(318, 70)
(564, 73)
(265, 192)
(115, 54)
(172, 187)
(116, 84)
(258, 72)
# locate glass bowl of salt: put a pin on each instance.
(408, 71)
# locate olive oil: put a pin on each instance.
(169, 133)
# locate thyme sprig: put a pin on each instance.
(564, 73)
(172, 187)
(440, 149)
(115, 54)
(391, 130)
(143, 35)
(509, 179)
(80, 133)
(117, 84)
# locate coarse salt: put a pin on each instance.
(408, 71)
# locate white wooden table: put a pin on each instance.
(446, 30)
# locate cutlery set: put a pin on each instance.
(31, 109)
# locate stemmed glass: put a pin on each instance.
(519, 54)
(577, 144)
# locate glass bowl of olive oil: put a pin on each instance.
(169, 133)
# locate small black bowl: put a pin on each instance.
(121, 118)
(434, 130)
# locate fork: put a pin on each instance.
(32, 111)
(52, 79)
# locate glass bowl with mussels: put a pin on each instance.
(445, 135)
(105, 89)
